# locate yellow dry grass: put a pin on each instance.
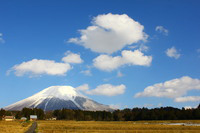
(115, 127)
(13, 127)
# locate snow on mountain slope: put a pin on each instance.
(58, 97)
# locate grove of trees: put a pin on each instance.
(135, 114)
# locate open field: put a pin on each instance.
(13, 127)
(116, 127)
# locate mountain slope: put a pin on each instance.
(58, 97)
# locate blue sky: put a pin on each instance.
(132, 53)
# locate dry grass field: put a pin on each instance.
(115, 127)
(13, 127)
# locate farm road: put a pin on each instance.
(32, 128)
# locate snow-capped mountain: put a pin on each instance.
(59, 97)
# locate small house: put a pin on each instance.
(9, 118)
(23, 119)
(54, 118)
(33, 117)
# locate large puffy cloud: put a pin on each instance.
(38, 67)
(107, 90)
(109, 63)
(173, 53)
(72, 58)
(110, 33)
(174, 89)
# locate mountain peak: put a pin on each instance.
(63, 92)
(58, 97)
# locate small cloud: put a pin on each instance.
(83, 87)
(115, 106)
(188, 99)
(72, 58)
(187, 107)
(133, 46)
(107, 79)
(120, 74)
(159, 105)
(148, 105)
(173, 53)
(87, 72)
(198, 51)
(162, 30)
(107, 90)
(1, 38)
(73, 40)
(141, 47)
(125, 106)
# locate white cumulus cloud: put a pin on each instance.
(109, 63)
(161, 29)
(110, 33)
(107, 90)
(39, 67)
(175, 89)
(72, 58)
(173, 53)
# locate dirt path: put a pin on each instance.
(32, 128)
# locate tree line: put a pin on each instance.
(162, 113)
(25, 112)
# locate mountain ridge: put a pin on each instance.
(59, 97)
